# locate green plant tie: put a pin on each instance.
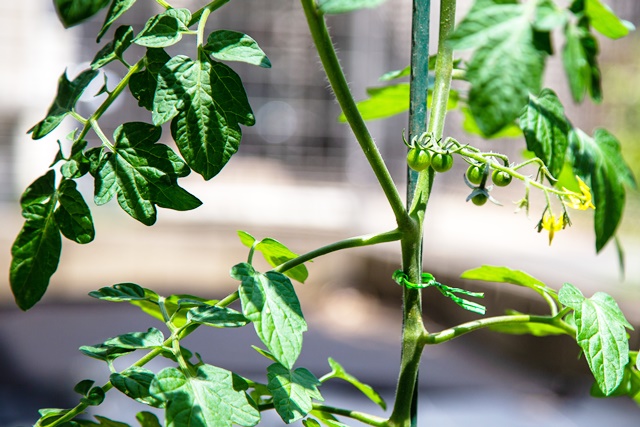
(428, 280)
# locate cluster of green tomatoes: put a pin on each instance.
(419, 158)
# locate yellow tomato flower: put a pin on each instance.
(583, 201)
(552, 224)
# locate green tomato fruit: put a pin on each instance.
(418, 159)
(501, 179)
(475, 174)
(480, 199)
(441, 162)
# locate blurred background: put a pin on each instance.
(300, 178)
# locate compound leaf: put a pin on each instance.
(507, 63)
(599, 162)
(292, 391)
(116, 10)
(72, 12)
(601, 335)
(73, 216)
(337, 371)
(207, 103)
(546, 129)
(214, 397)
(36, 250)
(225, 45)
(135, 382)
(332, 7)
(142, 174)
(68, 94)
(270, 302)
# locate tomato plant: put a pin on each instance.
(184, 79)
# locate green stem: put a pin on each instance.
(465, 328)
(164, 4)
(353, 242)
(338, 82)
(105, 141)
(209, 8)
(371, 420)
(202, 22)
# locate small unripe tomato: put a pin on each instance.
(480, 199)
(441, 162)
(500, 178)
(418, 159)
(475, 174)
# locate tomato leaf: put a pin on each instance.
(115, 49)
(72, 12)
(579, 57)
(165, 29)
(598, 161)
(275, 253)
(337, 371)
(292, 391)
(135, 382)
(142, 174)
(36, 250)
(143, 84)
(147, 419)
(136, 340)
(68, 94)
(601, 334)
(209, 103)
(270, 302)
(116, 10)
(508, 61)
(490, 273)
(73, 216)
(214, 397)
(225, 45)
(124, 292)
(332, 7)
(218, 317)
(546, 129)
(605, 21)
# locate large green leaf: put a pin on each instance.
(270, 302)
(275, 253)
(135, 382)
(165, 29)
(115, 49)
(605, 21)
(598, 161)
(292, 391)
(225, 45)
(68, 94)
(143, 84)
(580, 60)
(116, 10)
(36, 250)
(546, 129)
(142, 174)
(214, 397)
(73, 216)
(601, 334)
(337, 371)
(344, 6)
(207, 103)
(508, 61)
(72, 12)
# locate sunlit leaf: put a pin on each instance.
(292, 391)
(225, 45)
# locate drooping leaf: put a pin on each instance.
(116, 10)
(292, 391)
(136, 340)
(218, 317)
(270, 302)
(225, 45)
(214, 397)
(165, 29)
(147, 419)
(331, 7)
(629, 386)
(72, 12)
(68, 94)
(599, 162)
(207, 103)
(580, 60)
(36, 250)
(143, 83)
(115, 49)
(135, 382)
(142, 174)
(124, 292)
(605, 21)
(546, 129)
(508, 61)
(601, 334)
(73, 216)
(337, 371)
